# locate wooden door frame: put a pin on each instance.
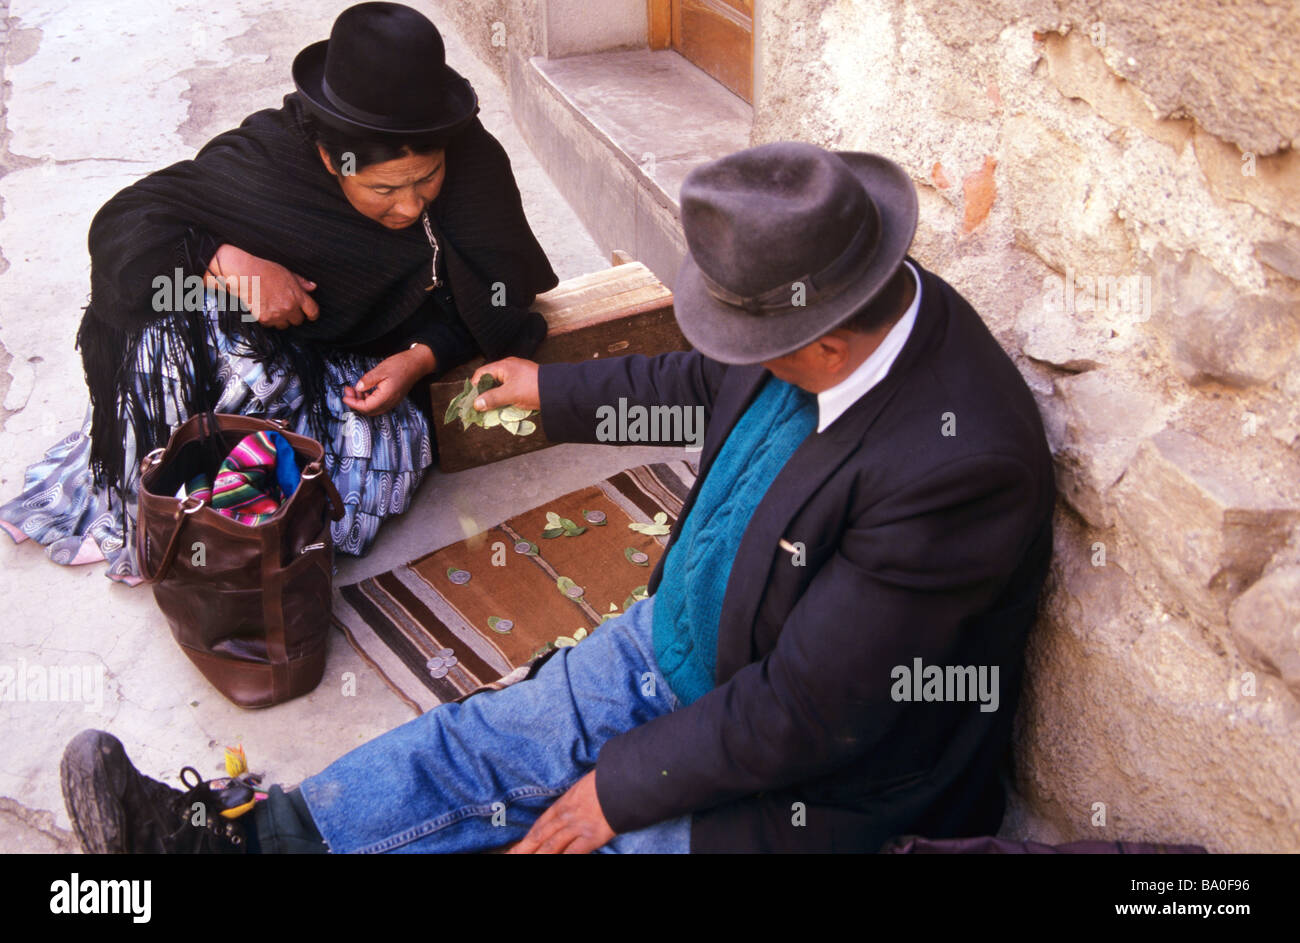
(664, 20)
(659, 20)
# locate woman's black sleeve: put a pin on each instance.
(440, 327)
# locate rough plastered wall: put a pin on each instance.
(494, 29)
(1113, 186)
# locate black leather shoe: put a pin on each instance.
(117, 810)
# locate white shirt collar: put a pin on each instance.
(833, 403)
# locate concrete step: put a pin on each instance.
(618, 132)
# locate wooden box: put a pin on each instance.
(614, 312)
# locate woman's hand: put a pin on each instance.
(518, 385)
(275, 296)
(383, 387)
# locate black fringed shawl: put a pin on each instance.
(262, 187)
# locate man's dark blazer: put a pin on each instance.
(919, 544)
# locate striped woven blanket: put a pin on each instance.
(477, 613)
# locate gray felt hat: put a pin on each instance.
(787, 241)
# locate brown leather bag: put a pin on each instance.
(249, 604)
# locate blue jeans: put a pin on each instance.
(476, 775)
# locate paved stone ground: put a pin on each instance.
(97, 94)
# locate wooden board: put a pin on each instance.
(614, 312)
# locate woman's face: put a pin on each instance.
(396, 192)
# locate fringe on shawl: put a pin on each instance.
(128, 395)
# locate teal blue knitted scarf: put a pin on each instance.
(688, 601)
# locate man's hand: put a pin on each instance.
(275, 296)
(518, 385)
(574, 825)
(383, 386)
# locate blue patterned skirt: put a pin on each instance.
(376, 462)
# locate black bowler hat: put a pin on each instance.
(787, 242)
(384, 68)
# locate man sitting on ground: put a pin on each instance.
(832, 647)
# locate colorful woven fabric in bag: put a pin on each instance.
(253, 480)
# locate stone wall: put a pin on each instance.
(1114, 188)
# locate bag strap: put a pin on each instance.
(183, 511)
(315, 471)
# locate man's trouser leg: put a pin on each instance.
(281, 825)
(476, 775)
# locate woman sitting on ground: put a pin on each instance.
(316, 265)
